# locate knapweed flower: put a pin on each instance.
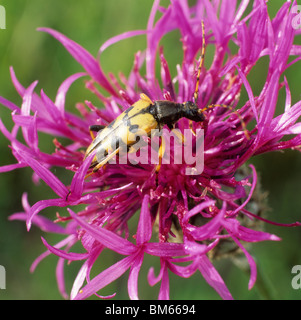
(184, 220)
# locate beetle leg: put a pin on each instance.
(161, 154)
(191, 127)
(103, 162)
(179, 135)
(107, 159)
(162, 148)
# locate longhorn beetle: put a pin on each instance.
(146, 115)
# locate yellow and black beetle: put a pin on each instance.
(144, 115)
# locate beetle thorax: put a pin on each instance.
(166, 112)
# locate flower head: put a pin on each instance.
(184, 220)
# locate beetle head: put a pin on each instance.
(192, 112)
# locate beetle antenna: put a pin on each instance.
(242, 122)
(196, 92)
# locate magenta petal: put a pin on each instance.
(198, 208)
(208, 231)
(288, 97)
(62, 91)
(27, 97)
(194, 248)
(133, 277)
(60, 278)
(166, 77)
(214, 24)
(186, 271)
(40, 205)
(165, 249)
(250, 235)
(56, 185)
(84, 58)
(152, 279)
(269, 105)
(43, 223)
(184, 211)
(38, 260)
(258, 27)
(251, 262)
(55, 115)
(250, 93)
(10, 105)
(164, 288)
(66, 255)
(120, 37)
(213, 278)
(250, 193)
(287, 119)
(29, 132)
(105, 277)
(144, 231)
(36, 104)
(106, 237)
(79, 280)
(155, 33)
(61, 244)
(32, 134)
(25, 202)
(11, 167)
(77, 184)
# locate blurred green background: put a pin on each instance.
(37, 56)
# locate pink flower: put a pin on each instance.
(194, 215)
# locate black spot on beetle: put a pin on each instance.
(96, 128)
(115, 143)
(133, 128)
(111, 125)
(128, 110)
